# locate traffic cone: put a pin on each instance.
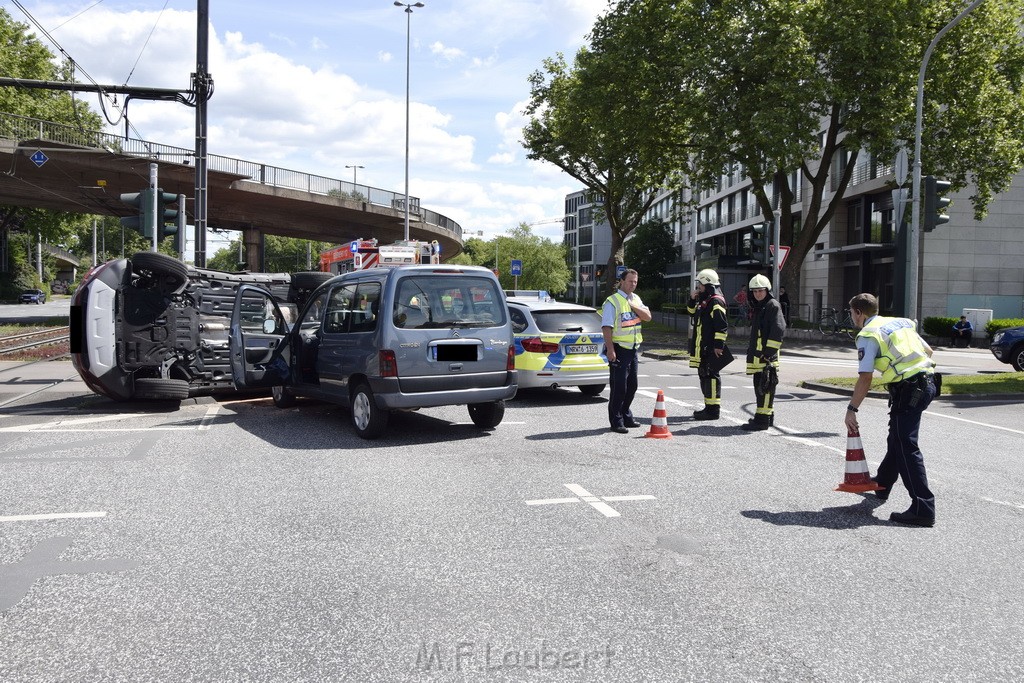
(659, 423)
(857, 479)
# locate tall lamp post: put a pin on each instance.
(408, 20)
(354, 169)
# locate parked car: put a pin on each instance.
(381, 340)
(150, 327)
(1008, 346)
(558, 344)
(33, 296)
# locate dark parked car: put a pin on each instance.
(151, 327)
(1008, 346)
(33, 296)
(382, 340)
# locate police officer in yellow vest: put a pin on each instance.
(893, 347)
(621, 318)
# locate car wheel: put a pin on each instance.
(592, 389)
(283, 398)
(1017, 357)
(487, 415)
(160, 389)
(168, 274)
(368, 420)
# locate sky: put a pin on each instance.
(317, 86)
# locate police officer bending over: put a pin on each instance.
(894, 348)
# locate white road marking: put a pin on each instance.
(597, 502)
(85, 424)
(55, 515)
(973, 422)
(1003, 502)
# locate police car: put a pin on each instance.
(557, 344)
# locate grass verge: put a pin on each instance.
(953, 385)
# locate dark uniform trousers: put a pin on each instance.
(903, 458)
(710, 379)
(622, 384)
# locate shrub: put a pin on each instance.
(994, 326)
(939, 326)
(654, 299)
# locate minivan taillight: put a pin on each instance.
(510, 364)
(388, 363)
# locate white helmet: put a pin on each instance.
(708, 277)
(760, 282)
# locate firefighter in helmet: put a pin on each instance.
(767, 327)
(707, 344)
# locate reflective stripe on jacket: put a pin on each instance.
(903, 352)
(710, 326)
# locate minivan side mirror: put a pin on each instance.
(269, 325)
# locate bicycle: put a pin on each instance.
(832, 322)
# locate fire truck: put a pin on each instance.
(360, 254)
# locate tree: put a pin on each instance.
(544, 265)
(649, 252)
(609, 126)
(773, 86)
(23, 56)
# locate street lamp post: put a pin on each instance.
(354, 169)
(913, 301)
(408, 20)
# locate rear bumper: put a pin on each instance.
(388, 394)
(533, 379)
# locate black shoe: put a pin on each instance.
(758, 423)
(619, 429)
(880, 494)
(911, 519)
(708, 413)
(632, 423)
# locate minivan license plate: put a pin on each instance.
(581, 348)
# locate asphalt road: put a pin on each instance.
(231, 540)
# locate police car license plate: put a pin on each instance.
(581, 348)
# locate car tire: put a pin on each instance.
(283, 397)
(303, 284)
(592, 389)
(368, 420)
(160, 389)
(487, 415)
(1017, 357)
(169, 274)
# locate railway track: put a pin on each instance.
(17, 343)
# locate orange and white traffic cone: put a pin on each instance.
(659, 423)
(857, 479)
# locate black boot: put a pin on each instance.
(758, 423)
(708, 413)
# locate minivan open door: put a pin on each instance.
(258, 340)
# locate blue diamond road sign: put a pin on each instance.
(39, 158)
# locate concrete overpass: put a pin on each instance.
(52, 166)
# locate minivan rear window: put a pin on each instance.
(432, 300)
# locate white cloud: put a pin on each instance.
(384, 57)
(449, 53)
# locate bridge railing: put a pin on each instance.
(17, 127)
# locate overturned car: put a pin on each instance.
(152, 328)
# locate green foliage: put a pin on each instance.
(544, 265)
(653, 298)
(650, 251)
(956, 385)
(994, 326)
(938, 326)
(772, 86)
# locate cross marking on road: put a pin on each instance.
(597, 502)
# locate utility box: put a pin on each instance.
(979, 318)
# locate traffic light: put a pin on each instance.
(759, 242)
(598, 272)
(169, 219)
(934, 203)
(145, 220)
